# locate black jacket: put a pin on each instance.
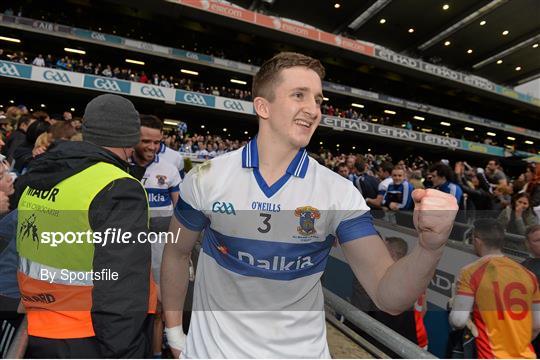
(119, 308)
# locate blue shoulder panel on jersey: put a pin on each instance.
(193, 219)
(267, 259)
(356, 228)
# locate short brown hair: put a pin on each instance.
(269, 74)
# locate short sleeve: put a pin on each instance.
(174, 184)
(352, 218)
(464, 286)
(188, 210)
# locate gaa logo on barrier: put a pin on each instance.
(152, 91)
(195, 99)
(223, 208)
(98, 36)
(191, 55)
(106, 84)
(233, 105)
(56, 76)
(8, 69)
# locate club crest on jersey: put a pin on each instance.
(161, 179)
(307, 215)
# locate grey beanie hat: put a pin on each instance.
(112, 121)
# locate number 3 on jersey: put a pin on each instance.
(266, 223)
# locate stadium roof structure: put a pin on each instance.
(495, 39)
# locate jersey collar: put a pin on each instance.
(298, 166)
(162, 148)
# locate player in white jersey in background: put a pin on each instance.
(270, 215)
(161, 181)
(173, 157)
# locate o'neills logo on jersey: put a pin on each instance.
(307, 215)
(276, 263)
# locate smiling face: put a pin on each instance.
(398, 175)
(146, 149)
(295, 110)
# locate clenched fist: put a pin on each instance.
(434, 214)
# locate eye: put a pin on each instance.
(298, 95)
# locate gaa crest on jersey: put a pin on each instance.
(307, 215)
(161, 179)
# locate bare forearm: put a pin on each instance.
(174, 285)
(407, 279)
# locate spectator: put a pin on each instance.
(494, 173)
(23, 154)
(61, 64)
(164, 82)
(39, 61)
(343, 170)
(107, 71)
(49, 61)
(367, 184)
(443, 180)
(501, 198)
(504, 331)
(475, 185)
(398, 196)
(384, 173)
(415, 179)
(143, 78)
(516, 218)
(533, 188)
(18, 137)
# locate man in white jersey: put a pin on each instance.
(161, 181)
(270, 215)
(173, 157)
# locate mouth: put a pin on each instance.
(305, 123)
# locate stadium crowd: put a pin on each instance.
(184, 83)
(123, 73)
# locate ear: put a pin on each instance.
(262, 108)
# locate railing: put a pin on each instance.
(401, 346)
(18, 346)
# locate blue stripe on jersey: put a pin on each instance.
(356, 228)
(175, 188)
(193, 219)
(158, 197)
(267, 259)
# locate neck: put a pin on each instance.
(491, 252)
(274, 157)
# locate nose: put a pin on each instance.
(311, 108)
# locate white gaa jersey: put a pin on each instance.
(172, 157)
(257, 287)
(160, 180)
